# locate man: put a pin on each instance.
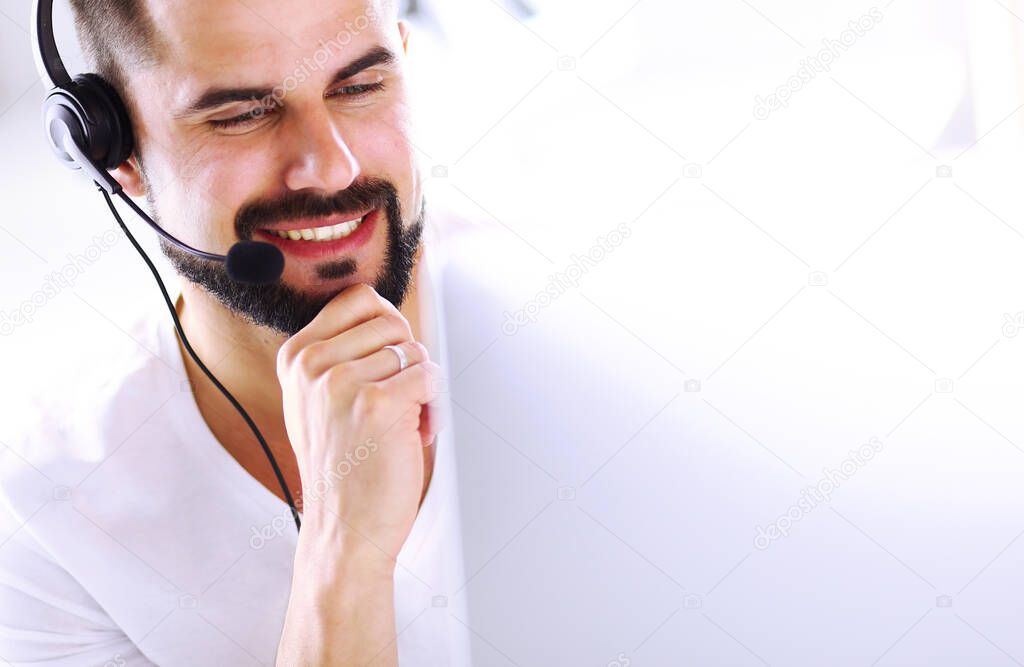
(166, 539)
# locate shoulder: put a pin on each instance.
(84, 398)
(86, 393)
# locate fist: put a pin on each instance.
(357, 421)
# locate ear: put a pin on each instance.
(404, 30)
(129, 175)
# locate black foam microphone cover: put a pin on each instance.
(254, 262)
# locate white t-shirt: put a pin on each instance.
(130, 536)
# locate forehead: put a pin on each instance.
(227, 38)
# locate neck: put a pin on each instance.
(243, 357)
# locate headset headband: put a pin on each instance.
(47, 57)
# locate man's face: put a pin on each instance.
(266, 120)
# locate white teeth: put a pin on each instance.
(331, 233)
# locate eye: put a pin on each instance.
(356, 91)
(243, 119)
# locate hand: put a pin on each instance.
(354, 420)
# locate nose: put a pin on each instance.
(318, 155)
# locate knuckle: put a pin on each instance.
(397, 324)
(307, 360)
(341, 385)
(370, 298)
(364, 291)
(336, 379)
(389, 328)
(370, 401)
(285, 354)
(358, 298)
(288, 358)
(419, 350)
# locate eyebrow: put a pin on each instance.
(215, 97)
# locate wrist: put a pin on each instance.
(341, 607)
(328, 552)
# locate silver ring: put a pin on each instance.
(403, 361)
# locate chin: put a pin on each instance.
(317, 285)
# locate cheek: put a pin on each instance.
(386, 149)
(198, 194)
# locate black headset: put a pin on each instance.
(88, 128)
(86, 122)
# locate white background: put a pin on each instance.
(811, 273)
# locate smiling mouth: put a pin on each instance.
(322, 233)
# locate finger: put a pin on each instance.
(397, 401)
(384, 363)
(352, 306)
(361, 341)
(431, 423)
(415, 385)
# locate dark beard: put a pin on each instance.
(281, 307)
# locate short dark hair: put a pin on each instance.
(114, 35)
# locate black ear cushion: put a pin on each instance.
(108, 130)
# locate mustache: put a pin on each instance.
(358, 197)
